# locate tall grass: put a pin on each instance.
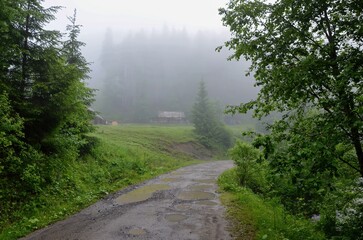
(256, 218)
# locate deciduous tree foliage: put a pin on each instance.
(306, 56)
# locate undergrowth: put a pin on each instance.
(254, 217)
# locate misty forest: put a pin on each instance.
(133, 142)
(144, 73)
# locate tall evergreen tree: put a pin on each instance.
(208, 127)
(43, 98)
(202, 115)
(43, 77)
(79, 96)
(26, 72)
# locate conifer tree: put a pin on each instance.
(208, 127)
(43, 98)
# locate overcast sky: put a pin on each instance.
(125, 15)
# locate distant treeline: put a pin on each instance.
(144, 73)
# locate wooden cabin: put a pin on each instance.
(171, 117)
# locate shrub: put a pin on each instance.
(19, 176)
(342, 212)
(251, 168)
(254, 217)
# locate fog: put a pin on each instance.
(149, 56)
(96, 15)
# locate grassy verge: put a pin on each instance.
(253, 217)
(125, 155)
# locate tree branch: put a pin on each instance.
(312, 92)
(349, 164)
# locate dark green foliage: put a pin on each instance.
(43, 102)
(209, 129)
(307, 58)
(302, 180)
(341, 212)
(260, 217)
(79, 96)
(297, 154)
(301, 59)
(20, 164)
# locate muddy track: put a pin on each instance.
(183, 204)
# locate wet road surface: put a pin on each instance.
(182, 204)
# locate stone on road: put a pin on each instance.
(183, 204)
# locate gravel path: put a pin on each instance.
(182, 204)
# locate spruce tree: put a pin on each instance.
(208, 127)
(43, 99)
(30, 50)
(79, 96)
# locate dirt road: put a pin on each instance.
(183, 204)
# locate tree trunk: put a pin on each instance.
(345, 98)
(358, 147)
(24, 62)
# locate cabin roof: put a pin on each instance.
(164, 114)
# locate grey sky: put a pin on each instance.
(125, 15)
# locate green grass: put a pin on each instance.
(237, 130)
(163, 133)
(125, 155)
(253, 217)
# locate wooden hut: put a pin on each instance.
(171, 117)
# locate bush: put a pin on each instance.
(223, 136)
(19, 176)
(262, 218)
(342, 212)
(251, 168)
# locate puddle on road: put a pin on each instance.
(200, 187)
(175, 217)
(170, 179)
(183, 207)
(212, 180)
(137, 232)
(141, 194)
(207, 202)
(195, 195)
